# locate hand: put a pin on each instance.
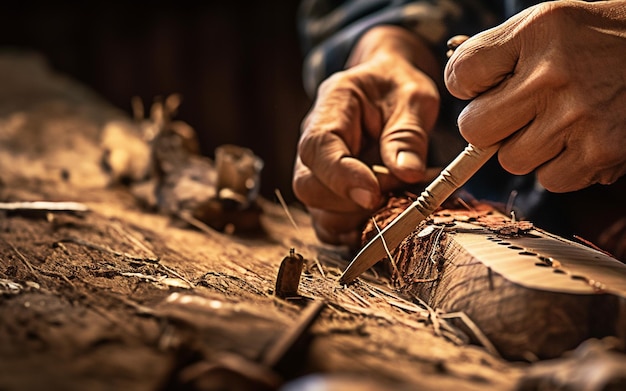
(551, 84)
(379, 110)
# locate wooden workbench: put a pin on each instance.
(120, 297)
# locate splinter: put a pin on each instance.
(288, 278)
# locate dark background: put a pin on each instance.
(236, 64)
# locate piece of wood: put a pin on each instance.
(524, 288)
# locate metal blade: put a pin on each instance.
(386, 240)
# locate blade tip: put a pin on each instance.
(345, 279)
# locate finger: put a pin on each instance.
(498, 113)
(484, 60)
(313, 193)
(331, 139)
(404, 152)
(404, 140)
(530, 147)
(573, 170)
(560, 175)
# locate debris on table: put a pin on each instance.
(288, 279)
(159, 159)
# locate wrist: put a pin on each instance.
(395, 43)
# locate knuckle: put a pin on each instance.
(548, 77)
(457, 75)
(548, 14)
(605, 154)
(341, 79)
(467, 128)
(407, 133)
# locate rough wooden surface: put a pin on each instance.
(125, 298)
(522, 321)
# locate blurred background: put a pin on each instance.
(237, 65)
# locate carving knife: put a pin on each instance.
(459, 171)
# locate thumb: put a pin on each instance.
(485, 59)
(404, 144)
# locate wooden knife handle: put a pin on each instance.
(459, 171)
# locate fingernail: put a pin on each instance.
(362, 197)
(408, 159)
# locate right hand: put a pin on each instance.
(377, 111)
(548, 84)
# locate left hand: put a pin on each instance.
(550, 83)
(378, 111)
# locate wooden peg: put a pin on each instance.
(288, 279)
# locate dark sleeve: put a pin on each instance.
(328, 29)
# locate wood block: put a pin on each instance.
(533, 294)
